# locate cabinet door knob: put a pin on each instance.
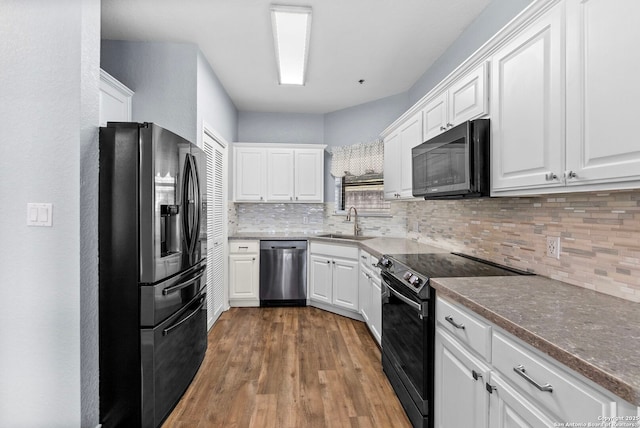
(442, 128)
(328, 261)
(570, 174)
(296, 198)
(291, 198)
(550, 176)
(475, 374)
(261, 198)
(449, 125)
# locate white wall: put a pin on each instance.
(48, 68)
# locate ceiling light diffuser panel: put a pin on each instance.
(291, 30)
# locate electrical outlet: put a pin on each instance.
(553, 247)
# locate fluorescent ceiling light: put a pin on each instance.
(291, 29)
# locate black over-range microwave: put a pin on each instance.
(454, 164)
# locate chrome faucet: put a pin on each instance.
(356, 226)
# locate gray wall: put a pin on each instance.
(364, 122)
(495, 16)
(214, 107)
(292, 128)
(49, 62)
(164, 79)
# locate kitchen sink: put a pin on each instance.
(341, 236)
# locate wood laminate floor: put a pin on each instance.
(289, 367)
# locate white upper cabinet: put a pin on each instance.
(468, 97)
(250, 173)
(464, 100)
(309, 175)
(392, 166)
(435, 116)
(564, 94)
(285, 173)
(527, 141)
(397, 158)
(280, 184)
(115, 100)
(603, 92)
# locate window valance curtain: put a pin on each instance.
(357, 159)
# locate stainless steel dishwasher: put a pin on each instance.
(283, 273)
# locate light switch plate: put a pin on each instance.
(39, 214)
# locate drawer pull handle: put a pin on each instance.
(453, 323)
(522, 372)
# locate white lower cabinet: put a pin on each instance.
(513, 385)
(376, 309)
(369, 297)
(461, 397)
(244, 273)
(333, 277)
(509, 409)
(364, 294)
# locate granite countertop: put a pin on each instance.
(594, 334)
(377, 246)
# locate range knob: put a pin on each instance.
(385, 263)
(415, 281)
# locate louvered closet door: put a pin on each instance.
(216, 230)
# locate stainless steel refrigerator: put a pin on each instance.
(152, 261)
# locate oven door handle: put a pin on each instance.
(414, 305)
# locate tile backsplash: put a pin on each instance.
(599, 232)
(599, 235)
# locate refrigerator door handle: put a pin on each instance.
(187, 318)
(186, 187)
(195, 228)
(177, 287)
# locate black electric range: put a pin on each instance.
(408, 321)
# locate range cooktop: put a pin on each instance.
(414, 271)
(446, 265)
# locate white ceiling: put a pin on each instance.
(388, 43)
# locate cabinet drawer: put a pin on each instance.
(569, 398)
(244, 247)
(470, 330)
(333, 250)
